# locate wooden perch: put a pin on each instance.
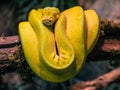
(9, 53)
(101, 81)
(8, 48)
(107, 47)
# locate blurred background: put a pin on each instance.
(14, 11)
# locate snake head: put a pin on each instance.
(50, 15)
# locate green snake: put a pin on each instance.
(58, 56)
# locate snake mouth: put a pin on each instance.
(47, 22)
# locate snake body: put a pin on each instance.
(57, 56)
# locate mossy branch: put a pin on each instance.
(107, 47)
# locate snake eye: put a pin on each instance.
(56, 15)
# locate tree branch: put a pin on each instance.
(100, 82)
(10, 53)
(9, 49)
(107, 47)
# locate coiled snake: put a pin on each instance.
(56, 44)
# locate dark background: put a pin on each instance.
(14, 11)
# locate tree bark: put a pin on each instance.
(107, 47)
(101, 81)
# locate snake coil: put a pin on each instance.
(57, 53)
